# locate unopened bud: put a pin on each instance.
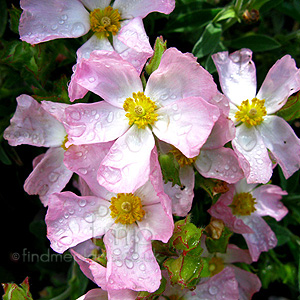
(215, 228)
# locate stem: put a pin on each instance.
(64, 295)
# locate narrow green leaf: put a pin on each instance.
(291, 110)
(3, 16)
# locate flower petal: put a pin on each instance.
(32, 125)
(268, 201)
(171, 81)
(237, 75)
(56, 109)
(186, 124)
(131, 8)
(131, 263)
(49, 176)
(94, 294)
(93, 4)
(262, 239)
(235, 254)
(252, 154)
(283, 143)
(72, 219)
(282, 80)
(106, 74)
(182, 197)
(47, 20)
(126, 167)
(219, 163)
(89, 123)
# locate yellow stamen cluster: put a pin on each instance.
(105, 21)
(243, 204)
(251, 114)
(63, 145)
(126, 208)
(140, 110)
(215, 265)
(182, 159)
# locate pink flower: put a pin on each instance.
(99, 294)
(47, 20)
(41, 125)
(174, 106)
(258, 129)
(128, 221)
(242, 209)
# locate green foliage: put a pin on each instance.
(14, 292)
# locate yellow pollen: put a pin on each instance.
(251, 114)
(215, 265)
(105, 21)
(140, 110)
(243, 204)
(182, 159)
(63, 145)
(126, 208)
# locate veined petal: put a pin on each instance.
(237, 75)
(49, 176)
(283, 143)
(282, 80)
(221, 163)
(89, 123)
(56, 109)
(268, 201)
(106, 74)
(72, 219)
(132, 43)
(94, 294)
(93, 4)
(131, 263)
(186, 124)
(262, 239)
(126, 167)
(32, 125)
(235, 254)
(85, 160)
(47, 20)
(252, 154)
(171, 81)
(131, 9)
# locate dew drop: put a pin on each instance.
(75, 115)
(110, 174)
(61, 22)
(82, 171)
(142, 267)
(128, 263)
(133, 142)
(74, 226)
(54, 27)
(64, 17)
(247, 142)
(91, 79)
(117, 251)
(119, 263)
(135, 256)
(53, 176)
(102, 211)
(66, 240)
(82, 202)
(213, 290)
(66, 215)
(78, 29)
(89, 217)
(110, 117)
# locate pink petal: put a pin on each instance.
(235, 254)
(130, 261)
(56, 109)
(221, 286)
(281, 140)
(237, 75)
(132, 9)
(222, 133)
(72, 219)
(171, 81)
(95, 294)
(252, 154)
(49, 176)
(222, 102)
(282, 80)
(85, 160)
(248, 282)
(93, 4)
(91, 269)
(106, 74)
(32, 125)
(126, 167)
(219, 163)
(182, 197)
(186, 124)
(268, 201)
(262, 239)
(47, 20)
(121, 294)
(89, 123)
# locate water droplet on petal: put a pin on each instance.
(82, 202)
(66, 240)
(75, 115)
(135, 256)
(110, 117)
(64, 17)
(204, 163)
(61, 22)
(142, 267)
(119, 263)
(128, 263)
(89, 217)
(74, 226)
(110, 174)
(53, 176)
(133, 142)
(102, 211)
(91, 79)
(117, 251)
(54, 27)
(213, 290)
(247, 142)
(78, 29)
(82, 171)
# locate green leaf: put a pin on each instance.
(208, 41)
(219, 245)
(291, 110)
(15, 292)
(256, 42)
(15, 15)
(170, 168)
(3, 16)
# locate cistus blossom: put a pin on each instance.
(128, 221)
(174, 107)
(258, 130)
(120, 22)
(242, 209)
(41, 125)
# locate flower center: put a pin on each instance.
(140, 110)
(105, 21)
(182, 159)
(215, 265)
(251, 114)
(126, 208)
(243, 204)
